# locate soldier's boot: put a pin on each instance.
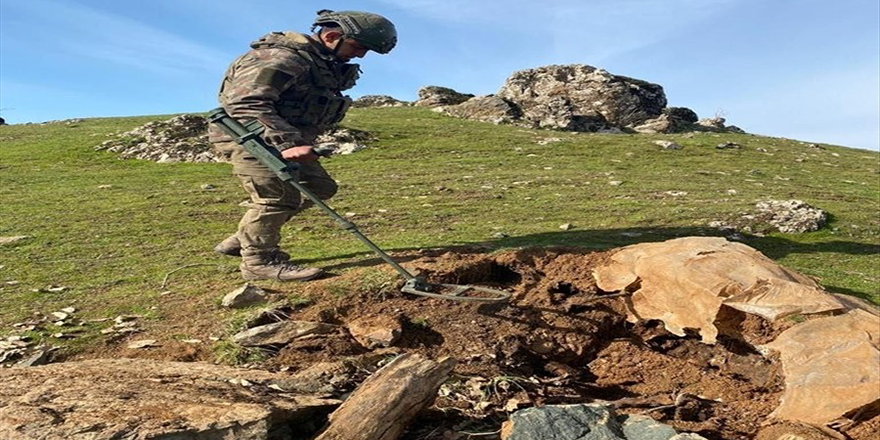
(229, 246)
(232, 247)
(269, 267)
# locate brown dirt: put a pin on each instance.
(558, 341)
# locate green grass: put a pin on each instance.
(439, 182)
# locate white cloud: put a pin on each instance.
(79, 30)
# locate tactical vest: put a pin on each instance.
(321, 102)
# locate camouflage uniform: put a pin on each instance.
(291, 84)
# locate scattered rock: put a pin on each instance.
(615, 183)
(343, 140)
(207, 187)
(675, 193)
(145, 343)
(728, 146)
(138, 398)
(434, 96)
(280, 333)
(668, 145)
(378, 101)
(39, 357)
(244, 296)
(182, 138)
(566, 226)
(792, 216)
(488, 108)
(13, 239)
(321, 377)
(550, 140)
(377, 331)
(712, 124)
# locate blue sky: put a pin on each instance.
(803, 69)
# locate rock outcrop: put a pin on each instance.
(576, 97)
(378, 101)
(435, 96)
(488, 108)
(132, 398)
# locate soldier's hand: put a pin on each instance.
(300, 153)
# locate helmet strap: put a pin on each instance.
(338, 45)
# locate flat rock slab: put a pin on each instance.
(139, 399)
(280, 333)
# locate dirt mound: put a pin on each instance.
(560, 340)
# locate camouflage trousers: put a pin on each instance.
(273, 202)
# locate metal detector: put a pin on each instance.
(248, 136)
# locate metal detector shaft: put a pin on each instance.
(249, 138)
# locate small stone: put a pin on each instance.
(105, 186)
(350, 214)
(280, 333)
(566, 226)
(615, 183)
(68, 310)
(244, 296)
(676, 193)
(40, 357)
(145, 343)
(56, 289)
(668, 145)
(207, 187)
(731, 192)
(728, 146)
(60, 315)
(191, 341)
(377, 331)
(500, 235)
(13, 239)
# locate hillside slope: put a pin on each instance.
(111, 231)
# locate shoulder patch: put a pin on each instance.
(273, 78)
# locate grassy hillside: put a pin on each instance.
(110, 231)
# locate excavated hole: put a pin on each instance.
(486, 272)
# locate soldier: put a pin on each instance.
(291, 83)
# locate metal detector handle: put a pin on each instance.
(270, 157)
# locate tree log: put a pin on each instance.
(383, 406)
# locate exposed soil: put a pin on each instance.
(558, 341)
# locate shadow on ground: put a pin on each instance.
(604, 239)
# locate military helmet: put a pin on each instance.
(373, 31)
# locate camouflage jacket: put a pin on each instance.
(290, 83)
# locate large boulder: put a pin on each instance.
(488, 108)
(435, 96)
(578, 97)
(140, 399)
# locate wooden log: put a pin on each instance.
(383, 406)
